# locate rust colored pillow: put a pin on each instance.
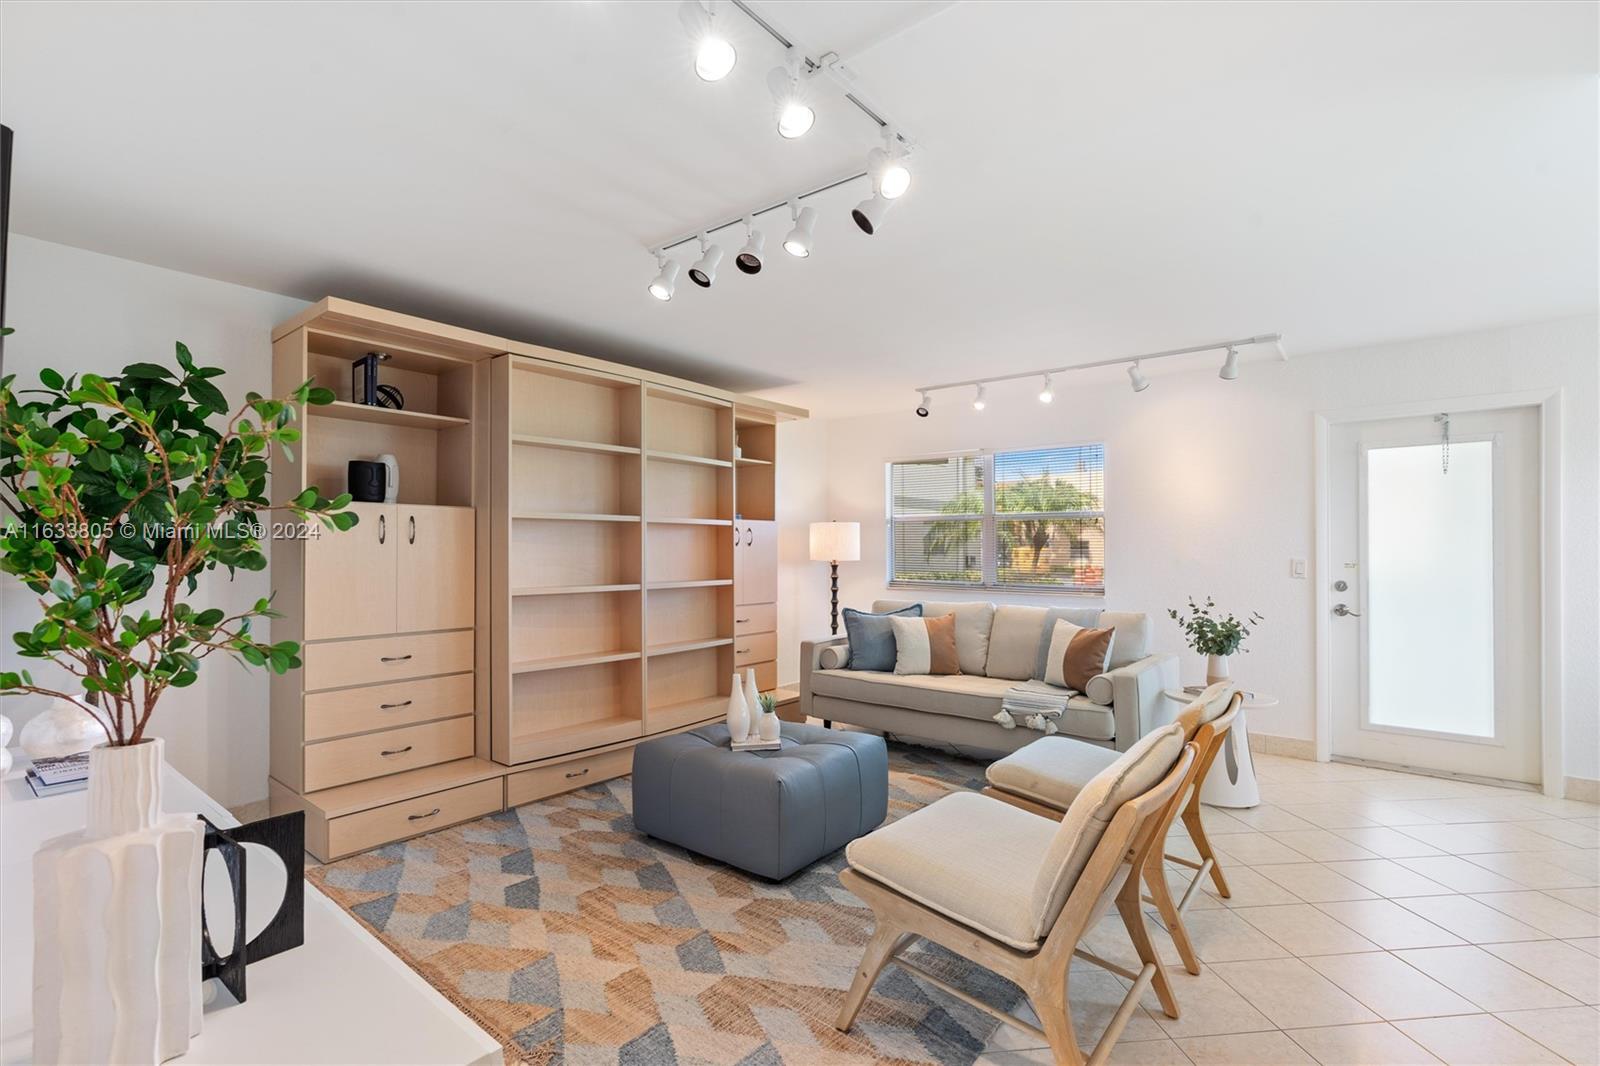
(942, 645)
(1077, 655)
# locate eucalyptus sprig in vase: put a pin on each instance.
(1214, 635)
(121, 493)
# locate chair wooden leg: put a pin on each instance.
(1155, 876)
(1049, 999)
(886, 942)
(1128, 903)
(1202, 844)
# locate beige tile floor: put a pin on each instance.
(1376, 918)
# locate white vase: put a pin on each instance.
(738, 713)
(752, 700)
(1216, 669)
(63, 729)
(770, 728)
(116, 917)
(5, 744)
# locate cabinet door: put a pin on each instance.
(436, 575)
(755, 571)
(350, 576)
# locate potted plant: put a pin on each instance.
(1213, 635)
(122, 492)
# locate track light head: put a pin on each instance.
(795, 117)
(666, 280)
(1136, 378)
(979, 399)
(798, 242)
(1283, 353)
(704, 271)
(925, 406)
(886, 165)
(713, 55)
(1230, 365)
(869, 213)
(749, 258)
(1048, 393)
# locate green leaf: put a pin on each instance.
(185, 360)
(50, 379)
(236, 487)
(319, 397)
(208, 395)
(146, 370)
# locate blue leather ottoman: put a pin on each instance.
(769, 812)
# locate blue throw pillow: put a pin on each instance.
(872, 637)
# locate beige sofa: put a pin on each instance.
(998, 646)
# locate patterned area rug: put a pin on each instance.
(574, 939)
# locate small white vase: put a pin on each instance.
(116, 922)
(63, 728)
(738, 713)
(770, 728)
(1216, 669)
(752, 700)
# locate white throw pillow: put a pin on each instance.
(912, 652)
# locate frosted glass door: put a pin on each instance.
(1430, 588)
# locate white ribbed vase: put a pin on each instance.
(116, 922)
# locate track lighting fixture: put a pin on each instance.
(868, 214)
(704, 271)
(795, 117)
(749, 259)
(1136, 378)
(886, 166)
(665, 281)
(713, 55)
(798, 242)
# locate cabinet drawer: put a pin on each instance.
(378, 659)
(339, 762)
(755, 648)
(358, 710)
(542, 781)
(396, 821)
(755, 618)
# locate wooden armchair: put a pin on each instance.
(1016, 894)
(1046, 776)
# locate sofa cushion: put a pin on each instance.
(1134, 631)
(1135, 772)
(972, 627)
(1086, 617)
(1014, 641)
(871, 637)
(957, 695)
(965, 856)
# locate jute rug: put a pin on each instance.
(574, 939)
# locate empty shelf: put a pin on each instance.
(563, 662)
(693, 460)
(712, 583)
(569, 516)
(573, 445)
(689, 645)
(388, 416)
(569, 590)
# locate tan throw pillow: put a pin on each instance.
(942, 655)
(1077, 655)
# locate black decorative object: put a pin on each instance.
(369, 480)
(285, 836)
(391, 397)
(364, 378)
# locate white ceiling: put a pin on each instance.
(1095, 179)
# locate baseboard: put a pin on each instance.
(1290, 747)
(1583, 789)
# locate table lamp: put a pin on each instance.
(834, 543)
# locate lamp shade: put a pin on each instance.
(835, 542)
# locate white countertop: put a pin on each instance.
(341, 997)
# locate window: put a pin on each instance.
(1013, 520)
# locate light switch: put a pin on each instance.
(1297, 568)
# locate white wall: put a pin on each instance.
(1210, 492)
(81, 311)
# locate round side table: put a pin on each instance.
(1235, 785)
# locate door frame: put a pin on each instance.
(1548, 403)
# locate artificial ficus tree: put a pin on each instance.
(121, 492)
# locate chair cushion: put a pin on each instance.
(964, 856)
(1208, 706)
(871, 637)
(1051, 770)
(1135, 772)
(1085, 617)
(1014, 641)
(957, 695)
(1134, 632)
(972, 628)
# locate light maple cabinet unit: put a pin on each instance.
(559, 577)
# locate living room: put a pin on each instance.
(1150, 452)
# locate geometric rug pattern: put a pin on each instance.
(575, 939)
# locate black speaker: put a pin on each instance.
(368, 481)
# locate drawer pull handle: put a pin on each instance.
(420, 817)
(393, 658)
(392, 706)
(743, 651)
(741, 621)
(579, 773)
(397, 751)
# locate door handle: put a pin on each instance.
(749, 536)
(411, 535)
(1344, 612)
(383, 528)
